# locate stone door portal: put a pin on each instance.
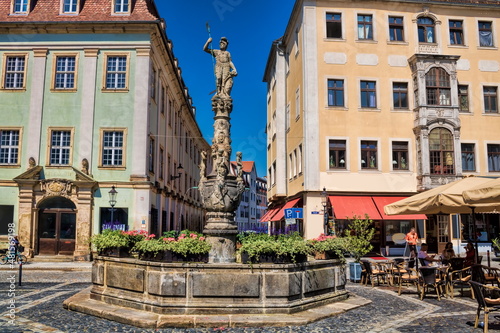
(57, 227)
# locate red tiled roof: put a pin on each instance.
(247, 166)
(92, 11)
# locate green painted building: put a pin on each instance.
(92, 99)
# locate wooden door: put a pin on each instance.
(56, 232)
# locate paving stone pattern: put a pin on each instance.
(39, 309)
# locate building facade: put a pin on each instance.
(374, 101)
(93, 100)
(253, 201)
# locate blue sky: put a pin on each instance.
(250, 26)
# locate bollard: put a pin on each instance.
(20, 272)
(488, 256)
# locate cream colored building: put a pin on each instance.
(378, 100)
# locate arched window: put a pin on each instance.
(441, 152)
(426, 30)
(437, 84)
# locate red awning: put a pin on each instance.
(380, 202)
(267, 216)
(281, 211)
(347, 207)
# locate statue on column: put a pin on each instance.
(224, 67)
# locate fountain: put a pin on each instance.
(221, 292)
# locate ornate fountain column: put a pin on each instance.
(220, 190)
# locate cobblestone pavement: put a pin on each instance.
(38, 308)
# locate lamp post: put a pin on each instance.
(324, 202)
(180, 169)
(112, 200)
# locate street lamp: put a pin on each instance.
(180, 169)
(112, 200)
(324, 202)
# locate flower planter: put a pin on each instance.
(326, 255)
(162, 256)
(176, 257)
(118, 252)
(272, 259)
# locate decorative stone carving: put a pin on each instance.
(56, 187)
(85, 166)
(31, 163)
(224, 67)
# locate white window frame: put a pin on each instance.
(113, 148)
(116, 72)
(70, 3)
(119, 4)
(22, 3)
(60, 149)
(20, 76)
(12, 149)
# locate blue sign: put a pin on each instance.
(293, 213)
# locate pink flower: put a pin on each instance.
(171, 239)
(202, 238)
(193, 236)
(165, 239)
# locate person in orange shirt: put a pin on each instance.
(412, 239)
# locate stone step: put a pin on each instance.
(48, 258)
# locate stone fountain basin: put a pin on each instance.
(189, 289)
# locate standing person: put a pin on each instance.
(412, 239)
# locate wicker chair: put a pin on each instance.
(460, 277)
(484, 302)
(429, 279)
(373, 272)
(408, 276)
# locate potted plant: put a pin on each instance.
(264, 248)
(328, 247)
(359, 234)
(113, 243)
(187, 246)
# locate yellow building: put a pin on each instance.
(377, 100)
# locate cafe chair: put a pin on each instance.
(485, 302)
(485, 274)
(373, 272)
(460, 277)
(408, 276)
(428, 279)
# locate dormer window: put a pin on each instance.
(426, 30)
(70, 6)
(20, 7)
(122, 6)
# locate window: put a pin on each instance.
(400, 155)
(493, 157)
(368, 154)
(333, 25)
(297, 103)
(365, 27)
(337, 154)
(9, 147)
(21, 6)
(14, 72)
(426, 30)
(65, 72)
(463, 98)
(162, 163)
(151, 160)
(112, 148)
(437, 83)
(121, 6)
(400, 95)
(485, 34)
(368, 94)
(490, 99)
(456, 32)
(299, 160)
(70, 6)
(335, 92)
(468, 157)
(441, 151)
(116, 72)
(287, 118)
(396, 29)
(60, 147)
(153, 83)
(290, 169)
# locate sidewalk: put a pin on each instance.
(57, 266)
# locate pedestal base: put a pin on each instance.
(223, 245)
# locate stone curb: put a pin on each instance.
(82, 302)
